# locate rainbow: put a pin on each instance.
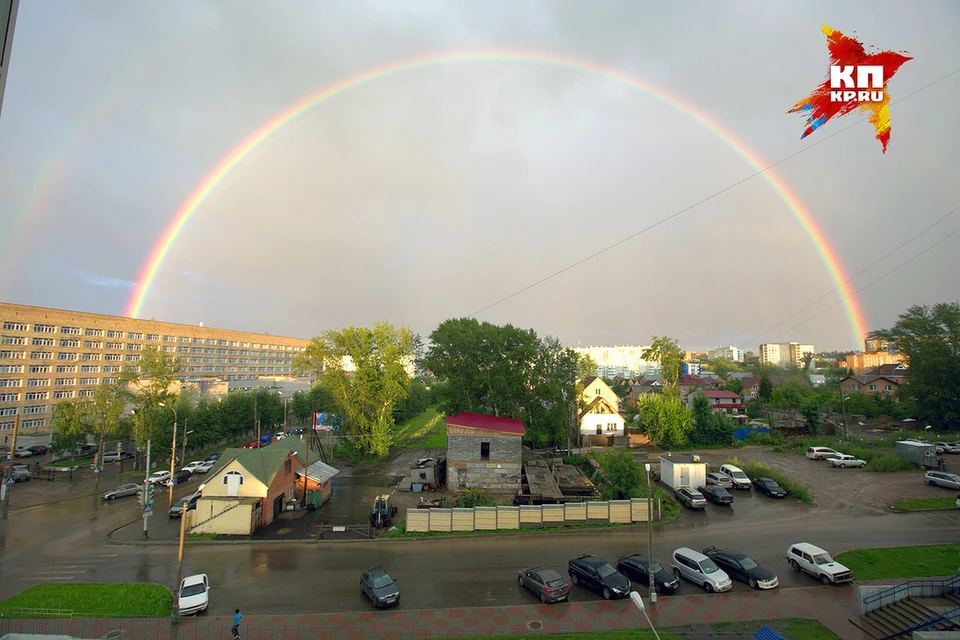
(227, 164)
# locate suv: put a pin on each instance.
(699, 569)
(942, 479)
(736, 474)
(21, 473)
(380, 587)
(821, 453)
(818, 563)
(691, 498)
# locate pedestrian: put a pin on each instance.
(236, 625)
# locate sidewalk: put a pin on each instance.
(832, 606)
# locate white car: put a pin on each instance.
(158, 476)
(818, 563)
(204, 466)
(821, 453)
(843, 460)
(942, 479)
(194, 595)
(192, 467)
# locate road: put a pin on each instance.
(66, 542)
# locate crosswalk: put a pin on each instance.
(70, 569)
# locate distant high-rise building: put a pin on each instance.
(620, 362)
(734, 354)
(876, 345)
(784, 353)
(8, 17)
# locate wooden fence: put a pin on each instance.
(534, 516)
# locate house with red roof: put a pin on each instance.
(721, 400)
(483, 452)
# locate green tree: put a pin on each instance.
(810, 409)
(72, 425)
(378, 380)
(710, 428)
(735, 385)
(929, 337)
(723, 367)
(624, 478)
(765, 392)
(666, 351)
(667, 420)
(149, 384)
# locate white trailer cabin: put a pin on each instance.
(682, 470)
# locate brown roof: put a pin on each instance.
(586, 381)
(750, 381)
(895, 370)
(868, 379)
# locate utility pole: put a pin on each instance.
(183, 448)
(8, 467)
(306, 465)
(183, 528)
(146, 493)
(99, 461)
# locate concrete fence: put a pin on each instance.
(527, 517)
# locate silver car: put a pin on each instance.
(122, 491)
(942, 479)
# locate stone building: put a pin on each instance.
(483, 452)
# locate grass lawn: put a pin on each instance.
(917, 504)
(426, 430)
(94, 600)
(902, 562)
(792, 628)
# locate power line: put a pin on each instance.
(702, 201)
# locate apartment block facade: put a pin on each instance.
(620, 362)
(863, 362)
(733, 354)
(49, 355)
(783, 353)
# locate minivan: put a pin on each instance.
(701, 570)
(821, 453)
(740, 479)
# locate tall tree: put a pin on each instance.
(667, 353)
(374, 382)
(765, 390)
(667, 419)
(929, 337)
(72, 425)
(149, 384)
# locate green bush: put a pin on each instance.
(885, 462)
(469, 498)
(760, 470)
(763, 439)
(778, 449)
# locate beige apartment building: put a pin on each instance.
(784, 353)
(48, 355)
(863, 362)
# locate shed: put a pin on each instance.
(483, 452)
(681, 470)
(430, 472)
(319, 487)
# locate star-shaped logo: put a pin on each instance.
(850, 64)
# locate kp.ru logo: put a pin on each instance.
(858, 80)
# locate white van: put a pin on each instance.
(740, 479)
(821, 453)
(701, 570)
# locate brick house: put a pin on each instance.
(483, 452)
(721, 400)
(878, 386)
(751, 387)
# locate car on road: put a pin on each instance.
(736, 474)
(194, 594)
(380, 587)
(213, 457)
(742, 567)
(122, 491)
(116, 456)
(719, 479)
(701, 570)
(716, 494)
(23, 452)
(690, 498)
(158, 476)
(843, 461)
(821, 453)
(187, 502)
(804, 556)
(38, 449)
(942, 479)
(947, 447)
(20, 473)
(769, 487)
(253, 444)
(599, 576)
(635, 567)
(546, 584)
(192, 467)
(180, 476)
(204, 467)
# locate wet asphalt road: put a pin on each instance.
(66, 542)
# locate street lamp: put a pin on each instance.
(638, 603)
(653, 587)
(173, 455)
(843, 410)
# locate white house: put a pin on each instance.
(601, 415)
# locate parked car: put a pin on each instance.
(253, 444)
(186, 502)
(192, 467)
(635, 567)
(213, 457)
(122, 491)
(204, 467)
(158, 476)
(380, 587)
(38, 449)
(947, 447)
(546, 584)
(701, 570)
(942, 479)
(719, 479)
(736, 474)
(843, 461)
(818, 563)
(743, 567)
(769, 487)
(23, 452)
(599, 576)
(821, 453)
(716, 494)
(194, 594)
(690, 498)
(116, 456)
(180, 476)
(21, 473)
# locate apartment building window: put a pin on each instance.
(44, 328)
(115, 345)
(183, 349)
(269, 369)
(38, 382)
(133, 335)
(211, 341)
(243, 361)
(8, 411)
(222, 360)
(208, 369)
(41, 355)
(62, 395)
(66, 368)
(85, 393)
(153, 337)
(167, 349)
(232, 352)
(233, 343)
(42, 342)
(69, 343)
(91, 356)
(90, 368)
(232, 360)
(14, 326)
(196, 369)
(34, 409)
(184, 340)
(134, 347)
(196, 359)
(243, 370)
(15, 340)
(40, 368)
(67, 355)
(220, 369)
(245, 345)
(37, 395)
(110, 380)
(9, 397)
(221, 352)
(111, 368)
(34, 424)
(196, 350)
(65, 382)
(221, 343)
(92, 344)
(95, 333)
(198, 341)
(133, 357)
(234, 369)
(70, 331)
(114, 334)
(88, 381)
(210, 351)
(112, 357)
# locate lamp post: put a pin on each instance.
(173, 455)
(183, 530)
(638, 603)
(843, 412)
(653, 586)
(183, 447)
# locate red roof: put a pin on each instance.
(488, 423)
(720, 393)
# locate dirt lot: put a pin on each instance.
(848, 490)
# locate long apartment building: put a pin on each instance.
(784, 353)
(48, 355)
(620, 361)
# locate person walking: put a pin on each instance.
(236, 625)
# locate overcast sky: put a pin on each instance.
(435, 193)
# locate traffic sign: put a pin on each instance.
(10, 480)
(148, 511)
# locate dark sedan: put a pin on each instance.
(186, 502)
(38, 449)
(546, 584)
(769, 487)
(716, 494)
(599, 576)
(635, 567)
(742, 567)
